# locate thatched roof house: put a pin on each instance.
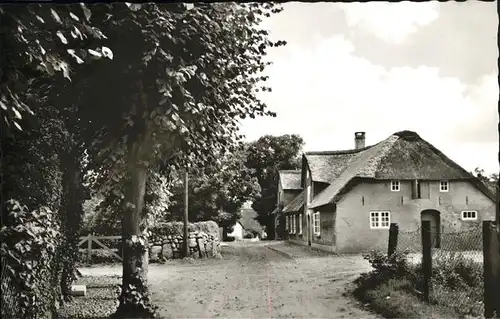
(350, 197)
(402, 156)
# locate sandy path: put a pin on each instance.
(253, 281)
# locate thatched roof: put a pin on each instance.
(248, 221)
(295, 204)
(290, 179)
(326, 166)
(402, 156)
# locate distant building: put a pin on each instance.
(237, 232)
(351, 197)
(247, 223)
(288, 188)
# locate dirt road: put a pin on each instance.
(254, 281)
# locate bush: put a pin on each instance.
(31, 255)
(387, 267)
(457, 286)
(248, 235)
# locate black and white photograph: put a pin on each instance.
(249, 160)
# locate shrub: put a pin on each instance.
(248, 235)
(457, 286)
(30, 250)
(387, 267)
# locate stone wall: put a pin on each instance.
(167, 241)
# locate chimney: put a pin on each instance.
(359, 140)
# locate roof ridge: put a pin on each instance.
(338, 152)
(290, 171)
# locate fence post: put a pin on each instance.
(426, 258)
(89, 248)
(491, 263)
(393, 239)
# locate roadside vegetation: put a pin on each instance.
(394, 287)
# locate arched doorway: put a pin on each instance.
(434, 217)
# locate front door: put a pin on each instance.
(434, 218)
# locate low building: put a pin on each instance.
(351, 197)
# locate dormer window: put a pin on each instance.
(395, 186)
(444, 186)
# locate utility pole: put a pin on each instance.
(186, 247)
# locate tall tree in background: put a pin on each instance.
(490, 181)
(267, 156)
(217, 191)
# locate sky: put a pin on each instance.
(384, 67)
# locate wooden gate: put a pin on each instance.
(96, 239)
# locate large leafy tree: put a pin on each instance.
(172, 95)
(41, 41)
(267, 156)
(217, 191)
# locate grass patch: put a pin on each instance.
(394, 288)
(393, 299)
(100, 301)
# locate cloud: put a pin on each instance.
(392, 22)
(326, 93)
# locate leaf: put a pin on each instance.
(61, 37)
(40, 19)
(55, 16)
(73, 16)
(3, 106)
(16, 112)
(107, 52)
(134, 6)
(86, 11)
(95, 53)
(17, 125)
(76, 33)
(77, 58)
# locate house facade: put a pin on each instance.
(289, 187)
(238, 231)
(351, 197)
(247, 224)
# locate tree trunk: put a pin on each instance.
(135, 245)
(134, 298)
(71, 214)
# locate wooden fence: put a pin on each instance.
(97, 239)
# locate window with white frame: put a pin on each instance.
(286, 222)
(380, 219)
(444, 186)
(469, 215)
(290, 224)
(316, 223)
(395, 186)
(293, 224)
(300, 224)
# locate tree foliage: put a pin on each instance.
(490, 181)
(176, 82)
(216, 192)
(41, 41)
(267, 156)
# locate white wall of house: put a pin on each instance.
(237, 232)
